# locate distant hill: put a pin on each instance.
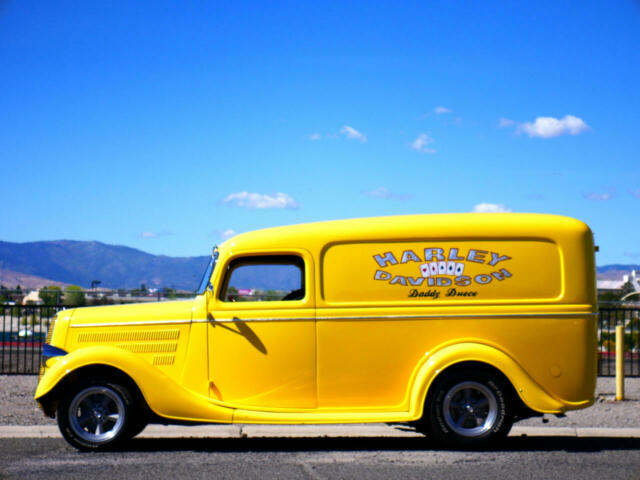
(79, 263)
(12, 279)
(615, 272)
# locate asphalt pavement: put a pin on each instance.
(600, 442)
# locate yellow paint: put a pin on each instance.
(373, 330)
(620, 362)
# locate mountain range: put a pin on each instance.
(615, 272)
(80, 263)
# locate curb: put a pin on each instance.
(311, 431)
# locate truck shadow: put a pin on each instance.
(368, 444)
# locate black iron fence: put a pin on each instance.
(610, 317)
(24, 330)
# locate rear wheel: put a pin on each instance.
(96, 414)
(468, 409)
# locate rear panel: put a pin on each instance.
(387, 303)
(432, 272)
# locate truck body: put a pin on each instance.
(458, 323)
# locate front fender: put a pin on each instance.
(163, 395)
(532, 394)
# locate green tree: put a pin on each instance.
(50, 295)
(627, 288)
(4, 294)
(74, 296)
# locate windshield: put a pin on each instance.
(204, 283)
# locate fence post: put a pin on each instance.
(620, 362)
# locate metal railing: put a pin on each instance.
(24, 330)
(629, 318)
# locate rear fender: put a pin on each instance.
(531, 394)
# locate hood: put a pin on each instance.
(134, 312)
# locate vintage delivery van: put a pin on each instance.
(458, 324)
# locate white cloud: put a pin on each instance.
(260, 200)
(491, 208)
(386, 194)
(549, 127)
(353, 134)
(150, 234)
(440, 110)
(228, 233)
(506, 122)
(314, 137)
(602, 197)
(456, 122)
(422, 142)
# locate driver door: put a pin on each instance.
(261, 332)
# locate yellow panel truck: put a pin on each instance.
(457, 324)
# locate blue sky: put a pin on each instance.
(167, 126)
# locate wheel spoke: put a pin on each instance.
(114, 417)
(84, 419)
(91, 426)
(461, 419)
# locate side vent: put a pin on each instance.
(145, 342)
(159, 360)
(129, 336)
(149, 347)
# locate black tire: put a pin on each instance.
(138, 425)
(468, 409)
(96, 414)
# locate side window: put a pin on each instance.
(264, 279)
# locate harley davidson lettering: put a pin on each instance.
(442, 268)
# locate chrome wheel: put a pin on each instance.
(470, 409)
(97, 414)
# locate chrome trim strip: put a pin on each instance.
(471, 315)
(306, 319)
(129, 324)
(409, 317)
(289, 319)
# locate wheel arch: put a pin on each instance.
(517, 405)
(528, 395)
(51, 399)
(181, 405)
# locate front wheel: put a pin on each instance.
(96, 414)
(468, 409)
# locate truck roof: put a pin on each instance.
(406, 227)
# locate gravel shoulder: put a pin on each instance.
(19, 408)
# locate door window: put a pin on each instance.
(264, 279)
